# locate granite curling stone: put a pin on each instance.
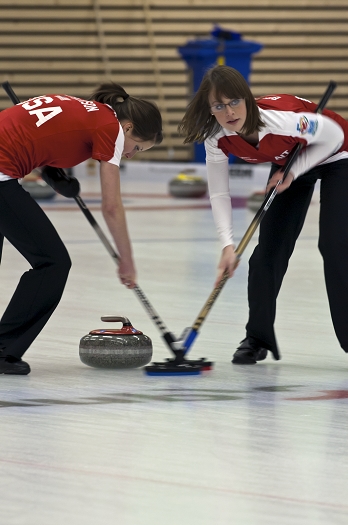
(255, 200)
(114, 348)
(37, 187)
(188, 186)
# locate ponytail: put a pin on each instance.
(144, 115)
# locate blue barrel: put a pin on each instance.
(225, 47)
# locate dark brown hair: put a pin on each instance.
(198, 123)
(144, 115)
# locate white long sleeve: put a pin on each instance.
(220, 198)
(328, 139)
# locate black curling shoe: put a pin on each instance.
(14, 366)
(248, 353)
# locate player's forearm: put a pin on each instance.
(116, 221)
(113, 210)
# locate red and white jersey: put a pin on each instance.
(288, 120)
(57, 130)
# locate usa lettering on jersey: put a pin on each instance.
(44, 114)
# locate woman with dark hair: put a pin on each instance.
(60, 130)
(225, 115)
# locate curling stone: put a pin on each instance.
(255, 200)
(126, 347)
(189, 186)
(37, 187)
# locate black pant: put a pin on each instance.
(24, 224)
(279, 230)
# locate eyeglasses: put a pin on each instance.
(220, 107)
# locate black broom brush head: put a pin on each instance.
(173, 367)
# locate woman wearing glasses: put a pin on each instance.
(226, 116)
